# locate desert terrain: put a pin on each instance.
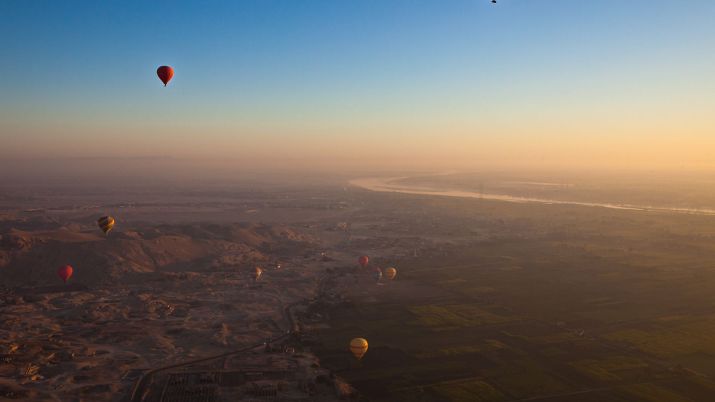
(493, 300)
(174, 281)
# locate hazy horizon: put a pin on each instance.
(362, 86)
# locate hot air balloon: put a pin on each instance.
(106, 223)
(363, 261)
(377, 274)
(259, 272)
(165, 74)
(65, 272)
(391, 273)
(358, 347)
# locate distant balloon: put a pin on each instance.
(377, 274)
(363, 261)
(165, 74)
(259, 272)
(106, 223)
(391, 273)
(65, 272)
(358, 347)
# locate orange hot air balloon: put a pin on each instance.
(165, 74)
(65, 272)
(259, 272)
(358, 347)
(391, 273)
(363, 261)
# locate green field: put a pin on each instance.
(558, 304)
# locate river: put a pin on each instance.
(387, 184)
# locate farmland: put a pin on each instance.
(538, 303)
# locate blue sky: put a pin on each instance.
(251, 73)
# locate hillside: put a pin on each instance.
(30, 258)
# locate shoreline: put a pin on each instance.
(385, 184)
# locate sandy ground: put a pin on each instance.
(77, 345)
(148, 295)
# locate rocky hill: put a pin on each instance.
(31, 257)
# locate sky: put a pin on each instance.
(428, 84)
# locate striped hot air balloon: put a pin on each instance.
(358, 347)
(106, 223)
(377, 274)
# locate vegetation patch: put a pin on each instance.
(472, 390)
(454, 316)
(654, 393)
(608, 369)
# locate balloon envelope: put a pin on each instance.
(165, 74)
(391, 273)
(65, 272)
(358, 347)
(363, 260)
(106, 223)
(377, 274)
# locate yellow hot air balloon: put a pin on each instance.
(106, 223)
(259, 272)
(391, 273)
(358, 347)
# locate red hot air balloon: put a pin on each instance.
(65, 272)
(165, 74)
(363, 261)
